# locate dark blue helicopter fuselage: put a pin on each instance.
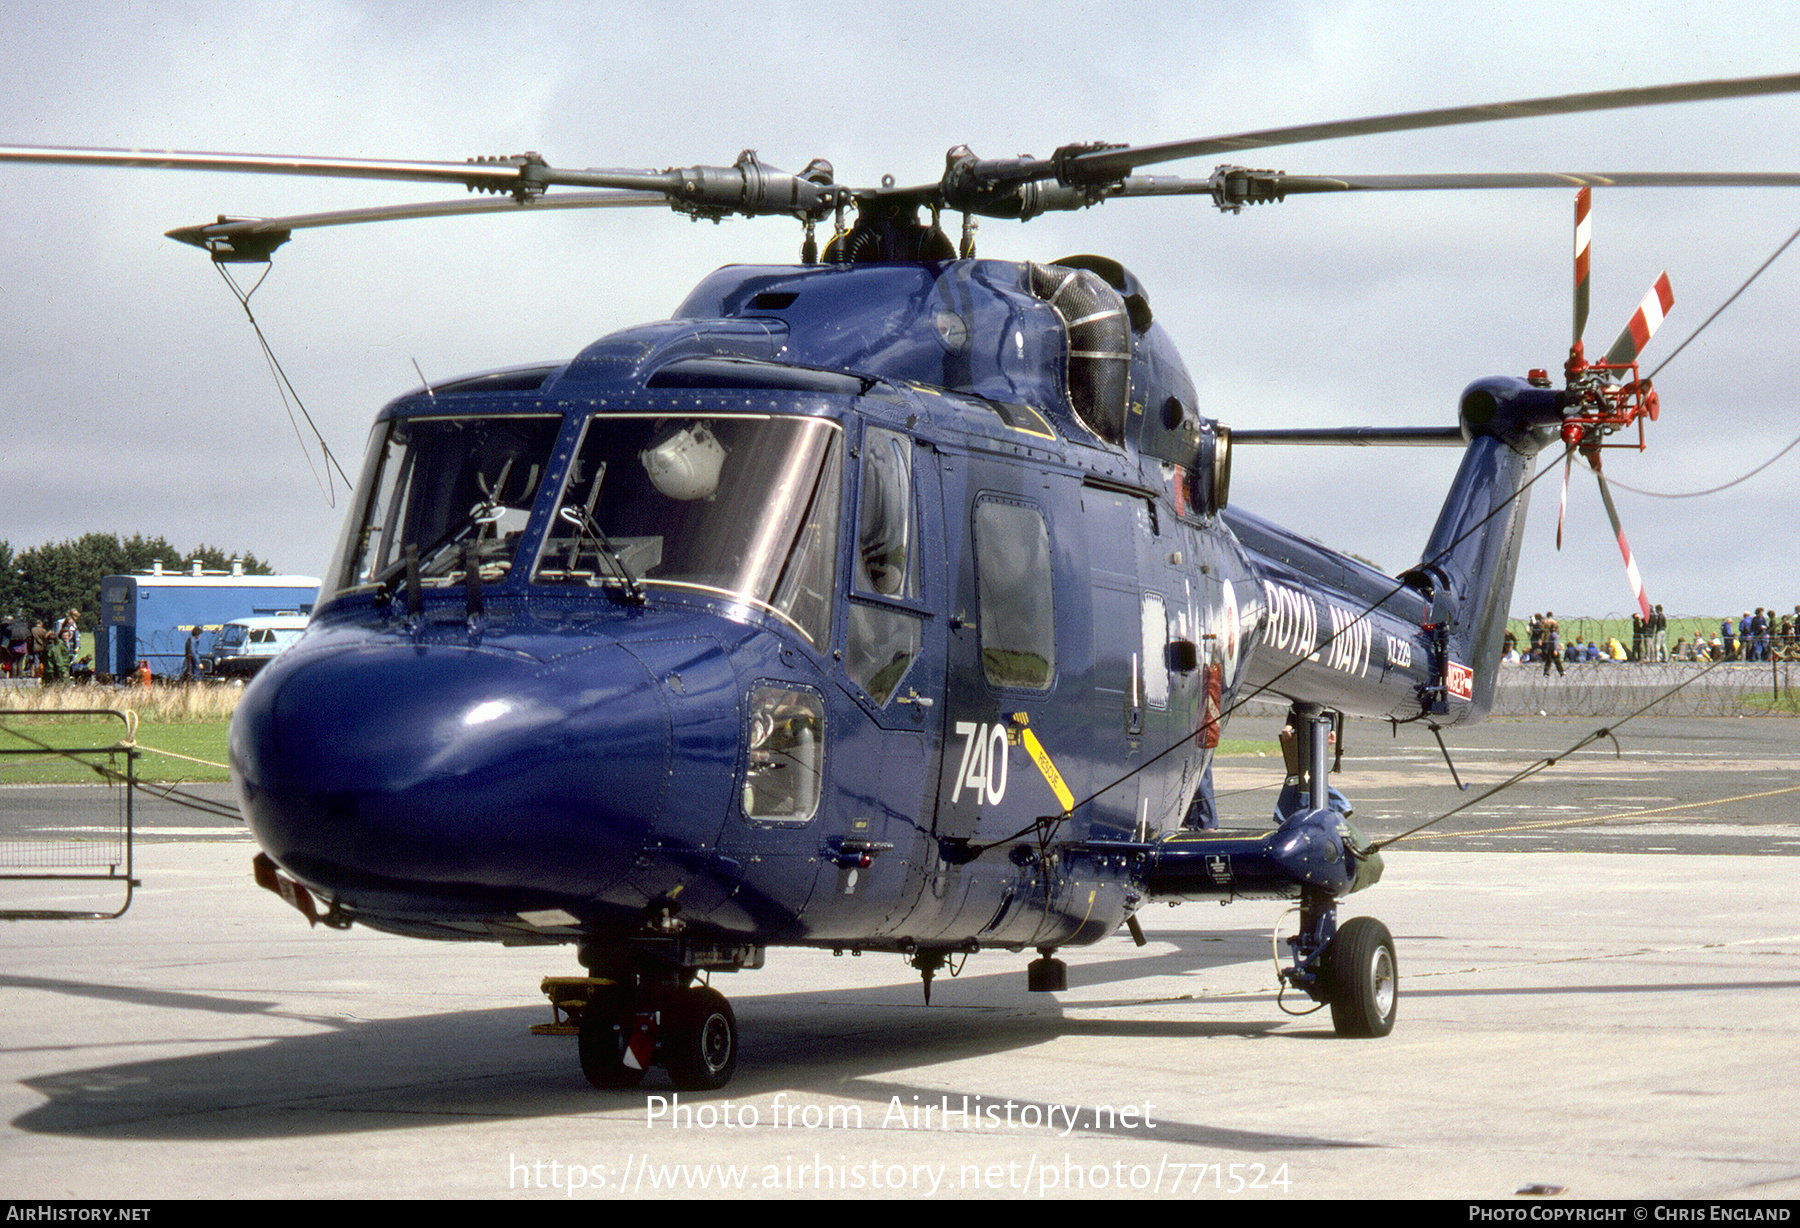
(997, 585)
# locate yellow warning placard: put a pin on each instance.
(1052, 777)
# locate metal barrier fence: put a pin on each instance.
(1621, 687)
(56, 827)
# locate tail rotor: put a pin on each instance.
(1608, 396)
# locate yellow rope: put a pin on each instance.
(151, 750)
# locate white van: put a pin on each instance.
(244, 645)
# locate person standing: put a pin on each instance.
(1659, 635)
(56, 662)
(40, 644)
(190, 661)
(1552, 644)
(69, 632)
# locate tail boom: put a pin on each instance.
(1335, 633)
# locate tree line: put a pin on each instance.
(50, 580)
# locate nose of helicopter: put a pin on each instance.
(401, 777)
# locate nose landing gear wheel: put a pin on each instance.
(1363, 978)
(607, 1026)
(699, 1038)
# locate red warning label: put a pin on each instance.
(1459, 680)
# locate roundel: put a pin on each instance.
(1232, 631)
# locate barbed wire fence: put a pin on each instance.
(1749, 688)
(1616, 688)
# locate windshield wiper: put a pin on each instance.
(588, 528)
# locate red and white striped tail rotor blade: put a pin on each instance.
(1584, 234)
(1644, 323)
(1631, 571)
(1562, 507)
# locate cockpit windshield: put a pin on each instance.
(744, 506)
(450, 488)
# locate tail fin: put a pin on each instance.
(1472, 556)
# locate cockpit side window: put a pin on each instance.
(888, 562)
(881, 642)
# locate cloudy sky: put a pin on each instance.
(135, 398)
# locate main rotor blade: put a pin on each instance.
(746, 187)
(494, 176)
(1299, 184)
(207, 233)
(1233, 187)
(1108, 164)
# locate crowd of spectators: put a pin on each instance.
(32, 650)
(1759, 635)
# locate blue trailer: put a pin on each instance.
(148, 617)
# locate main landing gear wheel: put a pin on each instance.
(699, 1039)
(1362, 978)
(607, 1025)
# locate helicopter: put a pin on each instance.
(892, 601)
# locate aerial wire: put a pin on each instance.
(1722, 306)
(1606, 731)
(1711, 490)
(1543, 764)
(1045, 826)
(1795, 442)
(286, 389)
(1588, 821)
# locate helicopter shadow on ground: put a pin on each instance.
(383, 1074)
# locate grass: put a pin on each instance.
(190, 721)
(1247, 746)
